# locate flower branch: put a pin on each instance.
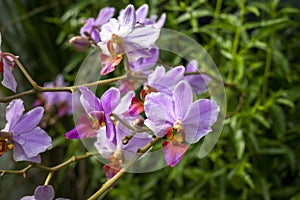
(45, 168)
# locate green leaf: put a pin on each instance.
(253, 10)
(266, 23)
(262, 120)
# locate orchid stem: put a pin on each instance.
(127, 64)
(22, 68)
(50, 175)
(123, 122)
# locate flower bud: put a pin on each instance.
(138, 122)
(80, 43)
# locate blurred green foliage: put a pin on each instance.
(255, 46)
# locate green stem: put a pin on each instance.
(50, 175)
(267, 72)
(218, 9)
(236, 41)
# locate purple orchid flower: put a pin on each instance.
(119, 153)
(43, 192)
(122, 36)
(27, 138)
(92, 26)
(181, 119)
(7, 65)
(61, 100)
(197, 81)
(97, 114)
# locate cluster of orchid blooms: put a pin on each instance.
(122, 120)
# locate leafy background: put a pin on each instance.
(256, 48)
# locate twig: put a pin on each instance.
(45, 168)
(21, 171)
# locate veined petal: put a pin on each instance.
(144, 36)
(160, 23)
(110, 99)
(14, 112)
(45, 192)
(112, 27)
(9, 80)
(173, 152)
(159, 107)
(136, 107)
(89, 101)
(110, 130)
(159, 128)
(109, 63)
(33, 142)
(29, 120)
(182, 98)
(139, 140)
(127, 19)
(103, 146)
(201, 116)
(124, 103)
(141, 13)
(173, 76)
(111, 170)
(104, 15)
(87, 27)
(19, 155)
(83, 129)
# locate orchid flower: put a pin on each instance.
(122, 36)
(182, 120)
(27, 138)
(92, 26)
(97, 114)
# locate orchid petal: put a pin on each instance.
(201, 116)
(14, 112)
(182, 98)
(32, 142)
(19, 155)
(104, 15)
(103, 146)
(124, 103)
(88, 100)
(110, 100)
(9, 80)
(109, 63)
(173, 152)
(110, 130)
(159, 107)
(141, 13)
(45, 192)
(127, 19)
(29, 120)
(144, 36)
